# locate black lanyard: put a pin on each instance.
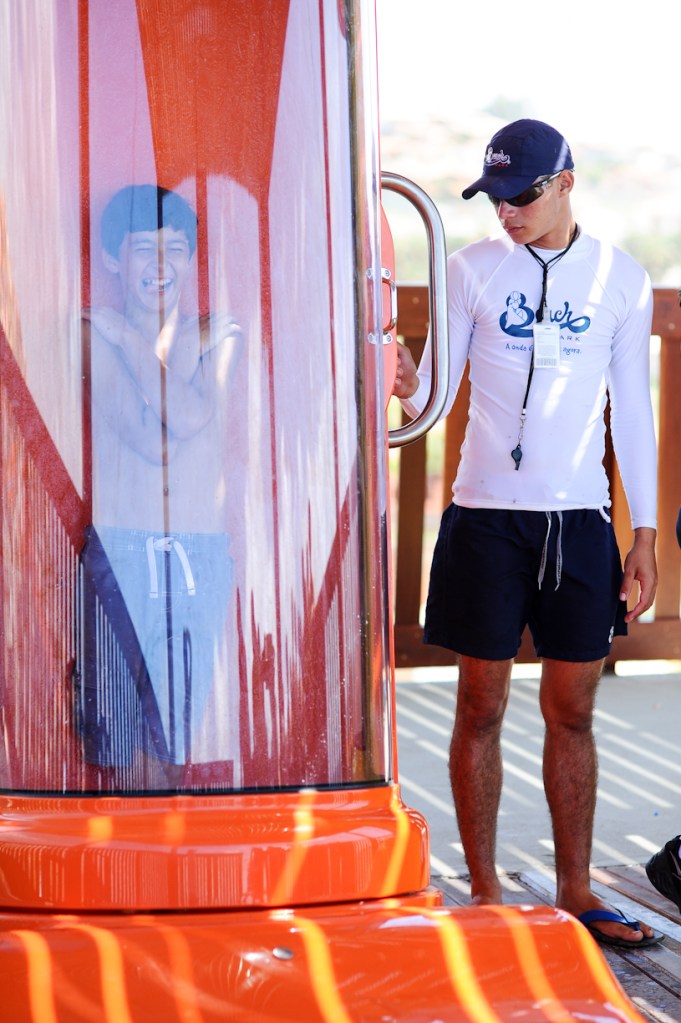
(517, 452)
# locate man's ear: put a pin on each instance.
(566, 181)
(110, 262)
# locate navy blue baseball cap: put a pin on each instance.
(519, 154)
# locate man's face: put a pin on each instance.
(537, 223)
(153, 267)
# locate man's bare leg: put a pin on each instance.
(475, 768)
(567, 698)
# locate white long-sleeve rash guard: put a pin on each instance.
(602, 301)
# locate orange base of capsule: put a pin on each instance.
(186, 852)
(397, 960)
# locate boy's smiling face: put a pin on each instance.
(153, 267)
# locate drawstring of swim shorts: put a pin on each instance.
(187, 661)
(545, 550)
(168, 543)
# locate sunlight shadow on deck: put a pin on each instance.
(636, 726)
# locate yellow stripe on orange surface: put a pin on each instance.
(40, 978)
(322, 976)
(461, 970)
(534, 973)
(303, 832)
(471, 998)
(112, 974)
(100, 829)
(182, 971)
(400, 843)
(603, 978)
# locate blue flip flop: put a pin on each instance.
(593, 915)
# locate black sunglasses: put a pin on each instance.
(530, 194)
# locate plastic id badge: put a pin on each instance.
(546, 345)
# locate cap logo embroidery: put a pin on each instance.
(499, 159)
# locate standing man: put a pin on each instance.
(553, 323)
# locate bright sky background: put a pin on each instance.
(596, 69)
(605, 73)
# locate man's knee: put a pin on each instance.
(569, 710)
(577, 720)
(479, 719)
(481, 699)
(568, 694)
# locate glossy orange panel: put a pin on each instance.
(193, 852)
(397, 960)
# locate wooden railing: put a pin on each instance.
(659, 636)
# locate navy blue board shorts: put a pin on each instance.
(496, 571)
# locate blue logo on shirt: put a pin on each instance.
(517, 319)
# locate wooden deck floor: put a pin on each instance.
(651, 977)
(639, 794)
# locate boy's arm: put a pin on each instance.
(121, 403)
(186, 403)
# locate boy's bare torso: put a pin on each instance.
(175, 479)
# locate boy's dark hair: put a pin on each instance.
(145, 208)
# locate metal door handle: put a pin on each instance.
(437, 308)
(387, 278)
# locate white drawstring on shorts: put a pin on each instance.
(559, 550)
(168, 543)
